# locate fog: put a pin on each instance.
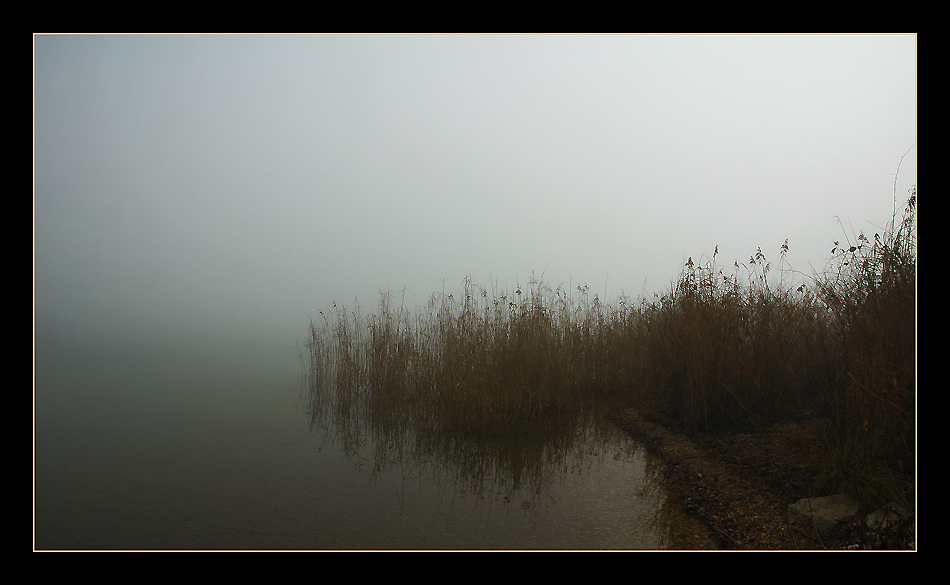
(214, 193)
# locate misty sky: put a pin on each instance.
(193, 189)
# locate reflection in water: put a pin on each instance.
(525, 469)
(156, 458)
(520, 466)
(587, 486)
(498, 399)
(491, 392)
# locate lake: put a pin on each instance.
(179, 450)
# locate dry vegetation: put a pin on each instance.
(723, 349)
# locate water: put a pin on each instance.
(163, 453)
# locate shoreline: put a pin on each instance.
(740, 484)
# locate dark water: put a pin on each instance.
(156, 452)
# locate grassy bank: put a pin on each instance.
(723, 349)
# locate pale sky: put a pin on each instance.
(189, 189)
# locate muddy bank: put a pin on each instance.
(741, 484)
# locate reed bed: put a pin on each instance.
(492, 392)
(722, 349)
(872, 297)
(724, 355)
(471, 362)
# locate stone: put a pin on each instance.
(823, 512)
(893, 527)
(889, 516)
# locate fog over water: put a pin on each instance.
(199, 199)
(190, 188)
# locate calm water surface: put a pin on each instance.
(158, 452)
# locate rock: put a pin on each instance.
(822, 512)
(892, 526)
(889, 516)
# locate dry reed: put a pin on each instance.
(718, 350)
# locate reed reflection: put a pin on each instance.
(500, 395)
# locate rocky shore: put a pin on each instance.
(740, 485)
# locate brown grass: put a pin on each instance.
(719, 350)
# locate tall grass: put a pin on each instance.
(872, 297)
(723, 348)
(723, 351)
(473, 362)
